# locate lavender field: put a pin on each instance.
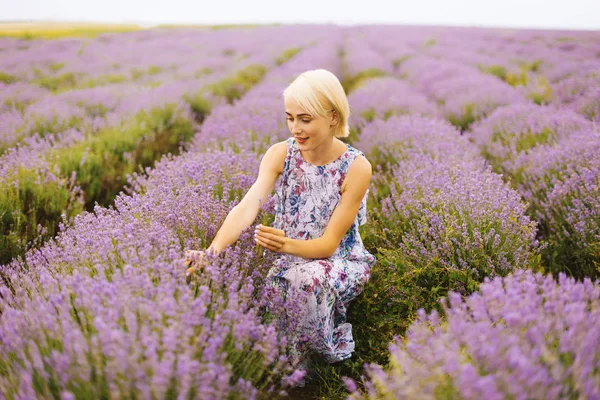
(120, 151)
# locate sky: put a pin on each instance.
(543, 14)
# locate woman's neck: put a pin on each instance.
(325, 152)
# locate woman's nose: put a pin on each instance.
(295, 127)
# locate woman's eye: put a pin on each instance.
(306, 121)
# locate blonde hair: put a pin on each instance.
(319, 92)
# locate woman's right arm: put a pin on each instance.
(245, 212)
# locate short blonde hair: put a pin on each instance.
(319, 91)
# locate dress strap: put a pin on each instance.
(349, 157)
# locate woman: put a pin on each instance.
(321, 203)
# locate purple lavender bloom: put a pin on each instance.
(464, 93)
(518, 128)
(141, 316)
(380, 98)
(458, 217)
(521, 336)
(402, 137)
(452, 209)
(560, 182)
(114, 281)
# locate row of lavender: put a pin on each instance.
(530, 144)
(547, 67)
(444, 225)
(68, 148)
(435, 203)
(104, 308)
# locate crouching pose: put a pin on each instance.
(321, 201)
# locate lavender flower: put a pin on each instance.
(518, 128)
(524, 335)
(560, 182)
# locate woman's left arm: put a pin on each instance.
(354, 188)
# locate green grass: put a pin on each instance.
(352, 83)
(29, 204)
(102, 162)
(49, 30)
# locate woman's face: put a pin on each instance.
(309, 131)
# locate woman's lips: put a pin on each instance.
(301, 140)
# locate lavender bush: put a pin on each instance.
(440, 221)
(121, 129)
(380, 98)
(105, 308)
(521, 336)
(518, 128)
(560, 182)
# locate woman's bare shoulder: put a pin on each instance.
(362, 165)
(359, 174)
(274, 157)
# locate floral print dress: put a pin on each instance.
(306, 198)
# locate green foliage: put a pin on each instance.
(103, 161)
(464, 120)
(564, 254)
(51, 31)
(55, 67)
(523, 141)
(154, 70)
(137, 74)
(232, 88)
(31, 203)
(7, 78)
(533, 66)
(369, 115)
(397, 61)
(203, 71)
(496, 70)
(101, 164)
(328, 384)
(514, 79)
(542, 92)
(520, 79)
(351, 83)
(65, 81)
(102, 80)
(200, 106)
(430, 42)
(287, 55)
(392, 297)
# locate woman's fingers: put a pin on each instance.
(268, 243)
(268, 229)
(269, 236)
(190, 270)
(275, 238)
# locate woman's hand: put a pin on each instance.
(194, 260)
(271, 238)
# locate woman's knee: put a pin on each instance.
(307, 277)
